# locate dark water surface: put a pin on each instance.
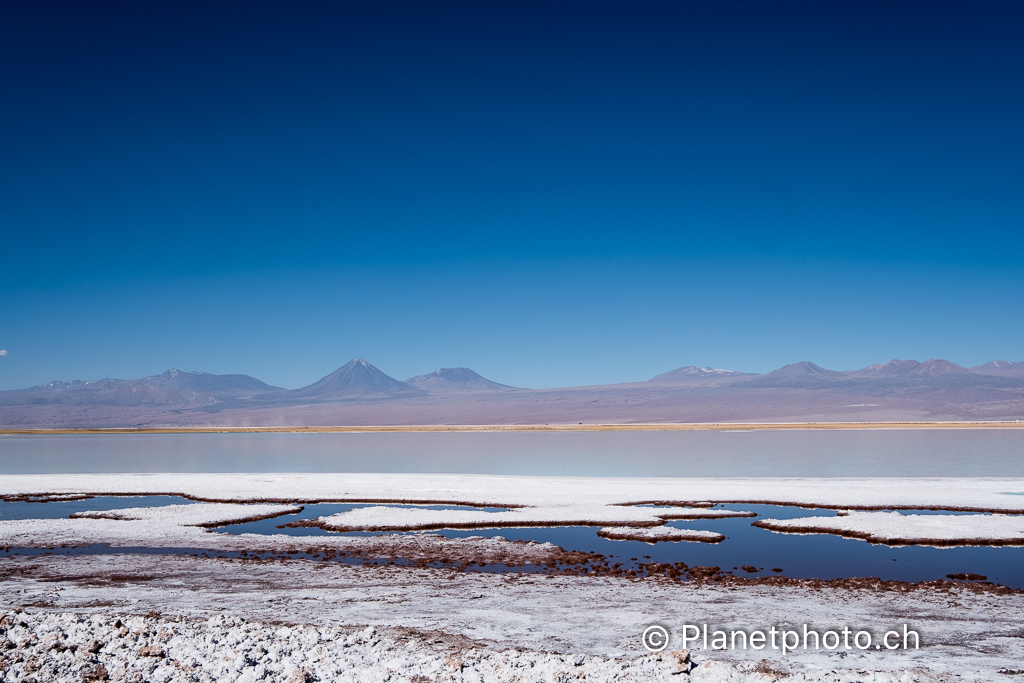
(766, 453)
(799, 556)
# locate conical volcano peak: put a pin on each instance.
(804, 368)
(356, 379)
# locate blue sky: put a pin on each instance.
(551, 193)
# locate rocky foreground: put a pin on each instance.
(72, 647)
(180, 618)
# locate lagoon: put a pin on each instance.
(763, 453)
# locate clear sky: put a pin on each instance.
(551, 193)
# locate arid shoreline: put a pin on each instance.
(594, 427)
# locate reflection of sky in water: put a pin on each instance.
(801, 556)
(790, 453)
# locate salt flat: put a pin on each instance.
(600, 501)
(299, 620)
(894, 528)
(457, 626)
(1005, 494)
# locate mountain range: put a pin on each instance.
(359, 393)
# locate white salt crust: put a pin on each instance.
(603, 501)
(659, 533)
(897, 528)
(200, 514)
(500, 491)
(544, 501)
(304, 615)
(383, 518)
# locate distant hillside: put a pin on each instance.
(697, 374)
(802, 374)
(911, 368)
(455, 380)
(173, 388)
(1000, 368)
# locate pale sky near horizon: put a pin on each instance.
(550, 193)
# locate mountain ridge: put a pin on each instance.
(360, 392)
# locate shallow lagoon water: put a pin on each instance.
(767, 453)
(763, 453)
(60, 509)
(819, 556)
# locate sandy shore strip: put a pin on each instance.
(299, 621)
(581, 427)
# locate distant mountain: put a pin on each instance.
(455, 380)
(1002, 368)
(804, 374)
(173, 388)
(204, 381)
(360, 394)
(691, 373)
(933, 368)
(357, 379)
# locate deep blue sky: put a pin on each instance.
(551, 193)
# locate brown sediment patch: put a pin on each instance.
(559, 562)
(710, 515)
(46, 497)
(845, 506)
(250, 518)
(115, 514)
(57, 497)
(673, 503)
(319, 523)
(517, 554)
(101, 579)
(674, 538)
(597, 565)
(700, 575)
(873, 538)
(702, 505)
(550, 561)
